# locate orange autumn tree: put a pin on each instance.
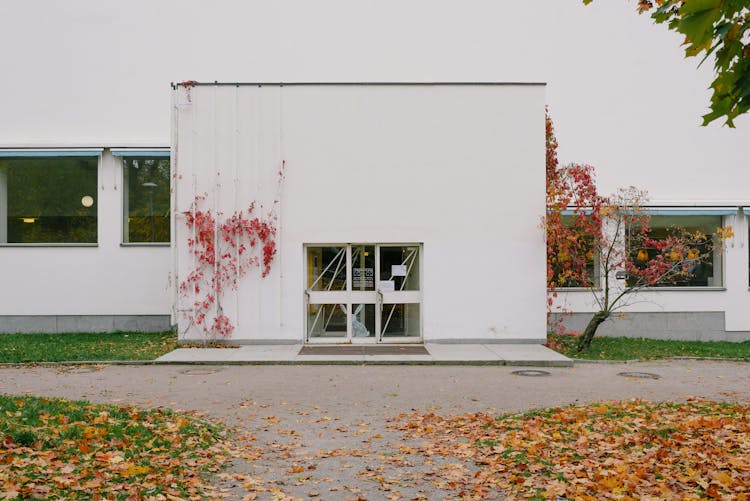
(606, 244)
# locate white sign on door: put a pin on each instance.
(387, 286)
(398, 270)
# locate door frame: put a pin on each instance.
(350, 297)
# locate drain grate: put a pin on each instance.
(531, 373)
(199, 372)
(639, 375)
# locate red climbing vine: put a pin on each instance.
(224, 250)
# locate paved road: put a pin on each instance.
(321, 431)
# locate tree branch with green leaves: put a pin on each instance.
(718, 28)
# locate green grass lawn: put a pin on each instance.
(60, 449)
(16, 348)
(621, 348)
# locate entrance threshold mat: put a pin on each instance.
(362, 349)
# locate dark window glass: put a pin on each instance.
(49, 200)
(146, 199)
(700, 273)
(567, 271)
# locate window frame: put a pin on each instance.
(350, 297)
(123, 154)
(57, 153)
(722, 213)
(596, 282)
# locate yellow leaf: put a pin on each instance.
(724, 478)
(132, 470)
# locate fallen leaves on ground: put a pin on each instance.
(612, 450)
(53, 448)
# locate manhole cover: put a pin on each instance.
(199, 372)
(82, 370)
(639, 375)
(531, 373)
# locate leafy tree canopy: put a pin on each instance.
(713, 27)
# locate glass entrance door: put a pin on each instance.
(363, 293)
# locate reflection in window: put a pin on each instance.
(363, 320)
(399, 268)
(363, 267)
(326, 268)
(48, 200)
(580, 267)
(146, 199)
(700, 272)
(400, 320)
(326, 320)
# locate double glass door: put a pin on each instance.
(363, 293)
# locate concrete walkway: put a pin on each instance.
(438, 354)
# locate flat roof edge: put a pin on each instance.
(191, 83)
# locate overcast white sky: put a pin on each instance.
(622, 96)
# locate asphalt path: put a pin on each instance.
(321, 432)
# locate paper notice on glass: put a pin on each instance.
(387, 286)
(398, 270)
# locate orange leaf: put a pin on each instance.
(92, 484)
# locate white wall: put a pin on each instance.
(621, 93)
(103, 280)
(457, 168)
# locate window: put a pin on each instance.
(700, 272)
(48, 197)
(146, 199)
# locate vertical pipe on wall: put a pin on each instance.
(256, 194)
(173, 156)
(215, 195)
(193, 257)
(277, 202)
(3, 205)
(235, 180)
(194, 201)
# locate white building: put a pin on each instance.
(398, 216)
(86, 95)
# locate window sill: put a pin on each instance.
(49, 245)
(575, 289)
(645, 289)
(686, 288)
(145, 244)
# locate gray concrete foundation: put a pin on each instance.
(57, 324)
(683, 326)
